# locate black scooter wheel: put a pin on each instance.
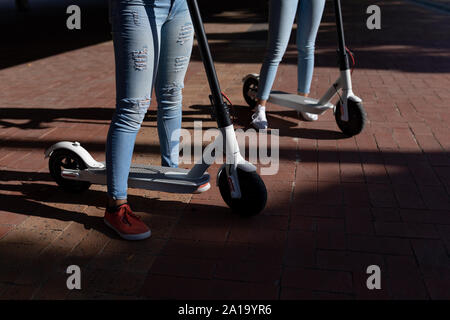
(65, 159)
(249, 90)
(357, 118)
(253, 193)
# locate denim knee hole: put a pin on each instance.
(181, 63)
(185, 33)
(140, 59)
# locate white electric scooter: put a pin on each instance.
(74, 169)
(349, 111)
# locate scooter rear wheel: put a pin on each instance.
(65, 159)
(250, 90)
(357, 118)
(253, 193)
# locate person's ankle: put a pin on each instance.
(302, 94)
(112, 204)
(261, 108)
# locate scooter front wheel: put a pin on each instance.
(253, 193)
(249, 90)
(357, 118)
(65, 159)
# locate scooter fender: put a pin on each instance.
(348, 96)
(355, 98)
(231, 172)
(234, 160)
(245, 166)
(78, 149)
(251, 75)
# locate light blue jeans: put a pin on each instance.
(152, 45)
(282, 14)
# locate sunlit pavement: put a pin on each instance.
(336, 206)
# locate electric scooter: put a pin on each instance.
(242, 189)
(349, 111)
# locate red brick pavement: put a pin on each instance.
(336, 206)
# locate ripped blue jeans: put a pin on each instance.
(152, 46)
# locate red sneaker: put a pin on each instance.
(126, 223)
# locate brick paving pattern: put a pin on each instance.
(337, 205)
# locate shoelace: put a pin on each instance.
(127, 213)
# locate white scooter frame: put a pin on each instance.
(307, 104)
(166, 179)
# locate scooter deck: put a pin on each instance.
(166, 179)
(299, 103)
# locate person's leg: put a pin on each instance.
(136, 30)
(176, 46)
(309, 15)
(281, 19)
(308, 21)
(136, 50)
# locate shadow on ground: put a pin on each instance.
(41, 118)
(345, 212)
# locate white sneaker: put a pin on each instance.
(259, 120)
(306, 115)
(309, 116)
